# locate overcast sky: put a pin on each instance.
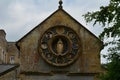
(18, 17)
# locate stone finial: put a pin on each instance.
(60, 4)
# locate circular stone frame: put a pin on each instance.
(48, 51)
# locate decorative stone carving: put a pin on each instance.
(59, 46)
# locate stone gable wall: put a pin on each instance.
(89, 58)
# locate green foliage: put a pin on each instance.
(109, 18)
(113, 69)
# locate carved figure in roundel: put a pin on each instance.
(59, 46)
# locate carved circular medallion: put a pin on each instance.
(59, 46)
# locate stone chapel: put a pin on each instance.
(59, 48)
